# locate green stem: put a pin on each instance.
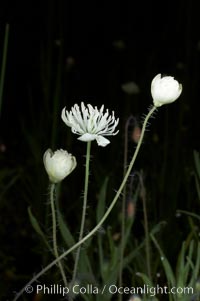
(87, 168)
(103, 218)
(3, 68)
(55, 247)
(123, 208)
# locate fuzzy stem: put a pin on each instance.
(123, 206)
(55, 247)
(87, 168)
(49, 266)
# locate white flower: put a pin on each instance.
(90, 123)
(165, 90)
(59, 164)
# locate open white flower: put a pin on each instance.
(58, 164)
(91, 123)
(165, 90)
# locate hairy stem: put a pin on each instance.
(87, 166)
(55, 247)
(123, 207)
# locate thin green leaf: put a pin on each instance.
(10, 183)
(65, 232)
(166, 265)
(134, 253)
(37, 228)
(196, 267)
(181, 267)
(147, 281)
(188, 265)
(189, 213)
(85, 269)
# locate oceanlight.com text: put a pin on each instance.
(151, 290)
(91, 289)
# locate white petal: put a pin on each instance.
(87, 137)
(165, 90)
(47, 157)
(59, 164)
(101, 141)
(89, 123)
(63, 115)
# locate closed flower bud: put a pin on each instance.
(58, 164)
(165, 90)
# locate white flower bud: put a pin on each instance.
(58, 164)
(131, 88)
(165, 90)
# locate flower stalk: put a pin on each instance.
(87, 170)
(55, 247)
(121, 261)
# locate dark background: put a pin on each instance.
(156, 38)
(65, 52)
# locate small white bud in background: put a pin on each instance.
(58, 164)
(131, 88)
(165, 90)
